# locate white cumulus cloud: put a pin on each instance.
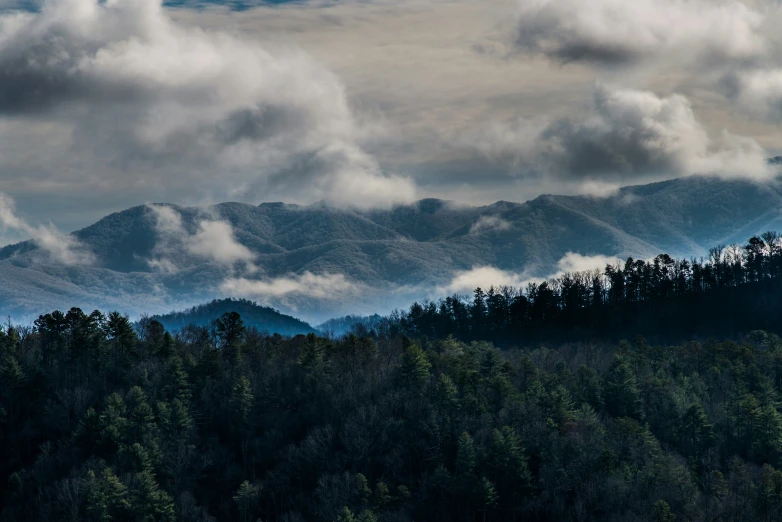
(619, 32)
(195, 112)
(628, 136)
(573, 262)
(215, 240)
(481, 276)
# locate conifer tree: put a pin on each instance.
(346, 515)
(622, 396)
(414, 367)
(246, 499)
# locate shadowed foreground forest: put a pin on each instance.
(420, 418)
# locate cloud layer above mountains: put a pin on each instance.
(628, 136)
(370, 104)
(142, 102)
(732, 45)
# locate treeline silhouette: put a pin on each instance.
(734, 290)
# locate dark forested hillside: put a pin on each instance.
(104, 421)
(263, 318)
(101, 423)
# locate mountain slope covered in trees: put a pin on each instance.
(386, 257)
(100, 421)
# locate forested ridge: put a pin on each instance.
(734, 290)
(265, 318)
(105, 420)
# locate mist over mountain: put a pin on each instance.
(350, 323)
(318, 261)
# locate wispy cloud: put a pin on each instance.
(758, 91)
(213, 241)
(60, 248)
(288, 289)
(488, 224)
(487, 276)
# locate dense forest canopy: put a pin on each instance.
(104, 420)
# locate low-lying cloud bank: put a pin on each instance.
(487, 276)
(58, 247)
(213, 241)
(146, 102)
(288, 289)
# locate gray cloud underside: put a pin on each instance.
(628, 136)
(160, 104)
(369, 102)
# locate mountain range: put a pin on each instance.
(318, 261)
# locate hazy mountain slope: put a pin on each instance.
(386, 257)
(425, 220)
(28, 291)
(685, 215)
(344, 325)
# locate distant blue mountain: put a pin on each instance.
(264, 318)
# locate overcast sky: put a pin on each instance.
(372, 103)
